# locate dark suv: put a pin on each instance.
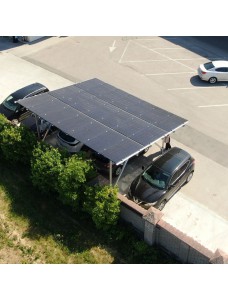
(10, 106)
(162, 179)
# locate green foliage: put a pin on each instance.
(17, 143)
(3, 122)
(103, 205)
(46, 165)
(71, 180)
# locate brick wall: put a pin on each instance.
(156, 231)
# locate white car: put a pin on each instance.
(214, 71)
(68, 142)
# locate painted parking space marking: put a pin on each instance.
(145, 60)
(196, 87)
(177, 73)
(125, 49)
(165, 48)
(167, 58)
(214, 105)
(178, 62)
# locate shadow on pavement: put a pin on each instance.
(196, 81)
(205, 46)
(6, 42)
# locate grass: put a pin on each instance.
(37, 228)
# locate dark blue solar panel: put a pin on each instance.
(106, 113)
(106, 119)
(135, 106)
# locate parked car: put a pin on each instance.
(214, 71)
(162, 179)
(72, 145)
(10, 106)
(69, 143)
(102, 164)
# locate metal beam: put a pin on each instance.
(124, 165)
(110, 173)
(37, 126)
(46, 133)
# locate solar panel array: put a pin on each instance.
(106, 119)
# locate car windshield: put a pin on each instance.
(11, 103)
(156, 177)
(209, 65)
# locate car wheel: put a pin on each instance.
(189, 177)
(117, 171)
(135, 199)
(213, 80)
(161, 204)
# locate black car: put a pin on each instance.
(162, 179)
(10, 106)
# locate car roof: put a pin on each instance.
(220, 63)
(21, 93)
(172, 159)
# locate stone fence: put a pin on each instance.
(155, 231)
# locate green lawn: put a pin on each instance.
(39, 229)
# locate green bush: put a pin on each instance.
(46, 165)
(3, 122)
(103, 205)
(72, 179)
(17, 143)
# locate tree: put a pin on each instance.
(17, 143)
(46, 165)
(72, 178)
(103, 205)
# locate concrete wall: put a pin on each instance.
(154, 230)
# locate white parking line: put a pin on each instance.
(125, 49)
(196, 87)
(215, 105)
(145, 60)
(165, 48)
(163, 55)
(154, 74)
(193, 58)
(153, 39)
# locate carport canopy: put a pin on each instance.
(108, 120)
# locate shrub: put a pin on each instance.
(17, 143)
(46, 165)
(3, 122)
(72, 178)
(103, 205)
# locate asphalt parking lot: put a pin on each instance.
(161, 71)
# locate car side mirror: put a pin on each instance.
(143, 168)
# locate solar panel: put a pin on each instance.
(106, 119)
